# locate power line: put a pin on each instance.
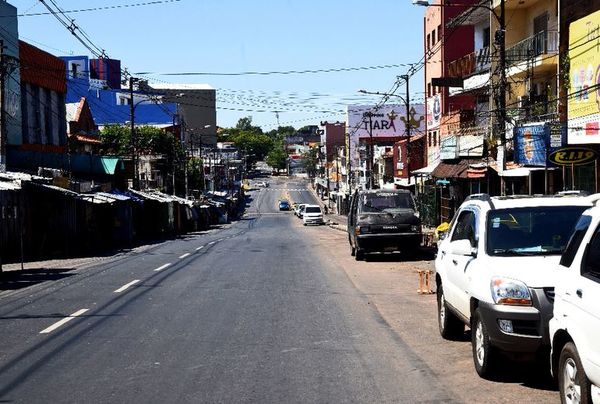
(285, 72)
(100, 8)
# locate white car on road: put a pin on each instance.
(575, 327)
(312, 215)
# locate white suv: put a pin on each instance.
(312, 215)
(575, 327)
(495, 272)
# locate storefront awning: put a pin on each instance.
(522, 171)
(425, 171)
(466, 168)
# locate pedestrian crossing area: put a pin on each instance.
(285, 189)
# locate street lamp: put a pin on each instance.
(500, 42)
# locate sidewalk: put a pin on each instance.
(333, 220)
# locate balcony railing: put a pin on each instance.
(474, 62)
(542, 43)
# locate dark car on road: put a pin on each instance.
(383, 221)
(284, 205)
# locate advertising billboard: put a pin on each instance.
(531, 144)
(386, 122)
(584, 82)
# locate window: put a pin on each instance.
(541, 230)
(428, 41)
(439, 31)
(591, 260)
(74, 72)
(486, 37)
(573, 244)
(465, 227)
(433, 38)
(429, 89)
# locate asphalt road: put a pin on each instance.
(261, 310)
(256, 311)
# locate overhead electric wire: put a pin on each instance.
(285, 72)
(99, 8)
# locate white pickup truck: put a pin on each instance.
(575, 327)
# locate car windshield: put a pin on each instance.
(313, 209)
(542, 230)
(385, 202)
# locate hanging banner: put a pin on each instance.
(531, 144)
(434, 112)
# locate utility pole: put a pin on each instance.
(132, 139)
(406, 77)
(500, 39)
(371, 151)
(3, 134)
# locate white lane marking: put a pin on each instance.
(184, 255)
(199, 248)
(160, 268)
(63, 321)
(211, 243)
(125, 287)
(221, 239)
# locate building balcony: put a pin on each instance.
(473, 63)
(535, 50)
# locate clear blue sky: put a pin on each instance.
(229, 36)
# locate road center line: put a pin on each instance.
(184, 255)
(125, 287)
(162, 267)
(199, 248)
(211, 243)
(63, 321)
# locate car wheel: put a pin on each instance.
(449, 325)
(484, 354)
(573, 384)
(359, 255)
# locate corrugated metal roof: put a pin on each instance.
(453, 170)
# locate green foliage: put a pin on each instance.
(195, 178)
(311, 159)
(115, 140)
(277, 157)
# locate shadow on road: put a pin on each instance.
(15, 280)
(423, 254)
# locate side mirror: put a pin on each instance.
(463, 247)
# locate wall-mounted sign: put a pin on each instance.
(584, 104)
(572, 156)
(434, 112)
(531, 144)
(449, 148)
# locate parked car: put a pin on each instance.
(495, 272)
(300, 210)
(383, 220)
(575, 327)
(284, 205)
(262, 184)
(312, 215)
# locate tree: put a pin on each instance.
(310, 160)
(277, 157)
